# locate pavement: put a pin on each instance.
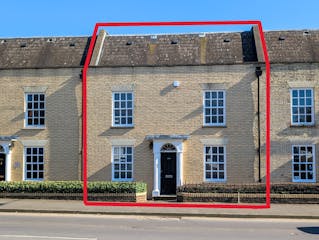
(295, 211)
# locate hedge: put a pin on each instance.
(280, 188)
(72, 187)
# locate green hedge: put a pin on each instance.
(283, 188)
(72, 187)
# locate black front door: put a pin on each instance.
(168, 173)
(2, 167)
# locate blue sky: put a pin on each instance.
(26, 18)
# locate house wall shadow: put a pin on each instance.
(63, 123)
(115, 132)
(104, 174)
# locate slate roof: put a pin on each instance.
(43, 52)
(164, 50)
(293, 46)
(171, 50)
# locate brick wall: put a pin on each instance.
(162, 109)
(283, 135)
(63, 116)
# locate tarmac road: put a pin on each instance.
(88, 227)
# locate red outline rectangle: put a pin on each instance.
(176, 205)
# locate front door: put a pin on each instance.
(168, 173)
(2, 167)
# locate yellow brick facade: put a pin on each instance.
(148, 66)
(161, 108)
(60, 137)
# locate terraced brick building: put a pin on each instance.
(164, 109)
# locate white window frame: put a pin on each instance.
(313, 164)
(113, 170)
(113, 115)
(25, 178)
(298, 106)
(37, 126)
(225, 165)
(224, 108)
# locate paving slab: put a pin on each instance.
(300, 211)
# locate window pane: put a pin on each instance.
(308, 118)
(214, 103)
(207, 119)
(221, 150)
(122, 166)
(310, 175)
(308, 110)
(208, 167)
(295, 93)
(214, 119)
(308, 93)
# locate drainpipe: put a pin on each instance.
(258, 73)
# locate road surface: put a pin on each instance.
(18, 226)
